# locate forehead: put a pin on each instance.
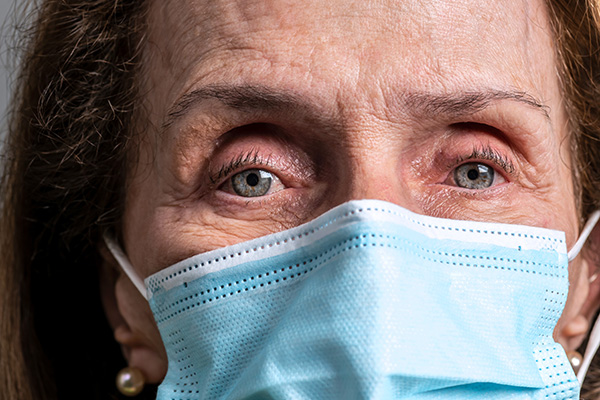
(343, 48)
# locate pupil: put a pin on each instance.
(252, 179)
(473, 174)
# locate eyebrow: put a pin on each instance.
(466, 103)
(250, 98)
(242, 98)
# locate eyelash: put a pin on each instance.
(252, 158)
(489, 154)
(249, 158)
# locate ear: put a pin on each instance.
(586, 301)
(119, 299)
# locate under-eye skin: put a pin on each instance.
(474, 175)
(252, 182)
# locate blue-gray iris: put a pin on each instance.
(252, 183)
(474, 176)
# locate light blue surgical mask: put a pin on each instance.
(368, 301)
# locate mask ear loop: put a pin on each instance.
(587, 229)
(594, 339)
(590, 351)
(126, 266)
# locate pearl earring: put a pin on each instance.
(130, 381)
(575, 358)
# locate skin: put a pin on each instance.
(341, 100)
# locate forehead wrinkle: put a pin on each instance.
(444, 76)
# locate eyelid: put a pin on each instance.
(486, 154)
(245, 160)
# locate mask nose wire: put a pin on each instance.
(126, 266)
(594, 339)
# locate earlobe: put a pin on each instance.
(586, 296)
(574, 331)
(575, 322)
(134, 346)
(139, 355)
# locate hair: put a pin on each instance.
(62, 186)
(63, 182)
(576, 25)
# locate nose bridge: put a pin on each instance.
(374, 167)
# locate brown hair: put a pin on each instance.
(63, 183)
(576, 25)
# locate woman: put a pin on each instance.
(178, 129)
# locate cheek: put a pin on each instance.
(175, 233)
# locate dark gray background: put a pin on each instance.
(7, 63)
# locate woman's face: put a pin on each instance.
(447, 108)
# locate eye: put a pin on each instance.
(475, 175)
(254, 183)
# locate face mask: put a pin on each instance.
(368, 301)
